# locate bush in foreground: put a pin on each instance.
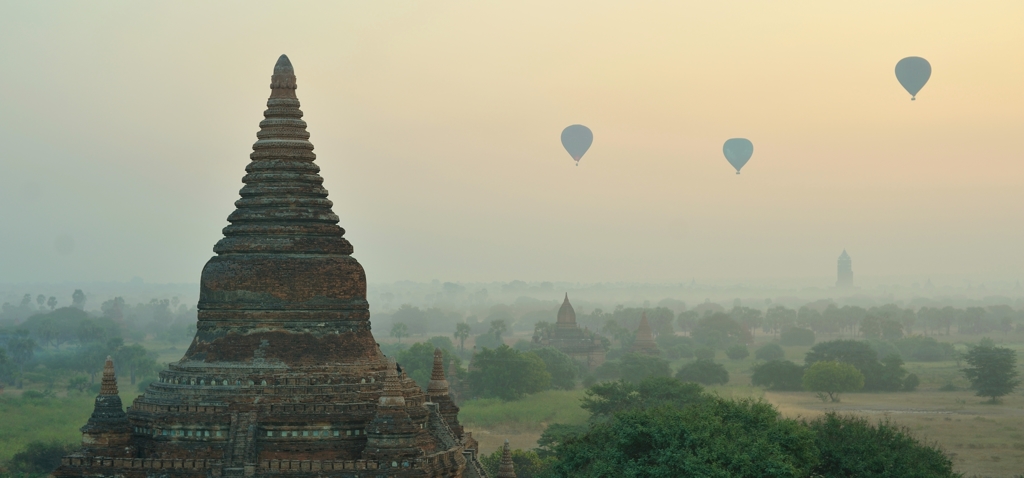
(642, 430)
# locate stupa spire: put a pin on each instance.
(438, 385)
(108, 385)
(506, 469)
(392, 396)
(284, 207)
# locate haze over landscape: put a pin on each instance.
(436, 127)
(591, 239)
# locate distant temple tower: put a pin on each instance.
(582, 345)
(644, 342)
(845, 278)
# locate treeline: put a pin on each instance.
(67, 346)
(662, 427)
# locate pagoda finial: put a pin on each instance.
(108, 386)
(506, 469)
(438, 385)
(392, 396)
(283, 83)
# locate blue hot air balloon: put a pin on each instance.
(577, 140)
(738, 151)
(913, 72)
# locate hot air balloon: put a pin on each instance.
(913, 72)
(738, 152)
(577, 140)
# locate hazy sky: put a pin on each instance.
(126, 127)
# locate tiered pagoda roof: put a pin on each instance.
(284, 375)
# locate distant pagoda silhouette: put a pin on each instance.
(283, 377)
(582, 345)
(845, 271)
(644, 342)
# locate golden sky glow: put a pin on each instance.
(127, 127)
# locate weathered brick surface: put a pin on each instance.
(284, 376)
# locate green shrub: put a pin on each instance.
(911, 382)
(769, 352)
(40, 457)
(851, 446)
(737, 352)
(830, 379)
(636, 367)
(704, 353)
(703, 371)
(778, 375)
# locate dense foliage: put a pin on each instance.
(830, 378)
(507, 373)
(781, 375)
(851, 446)
(663, 428)
(992, 370)
(885, 375)
(769, 352)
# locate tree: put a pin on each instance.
(719, 330)
(703, 371)
(715, 437)
(22, 348)
(52, 302)
(563, 369)
(737, 352)
(704, 353)
(604, 400)
(507, 373)
(462, 331)
(797, 336)
(418, 362)
(992, 371)
(78, 299)
(78, 384)
(850, 446)
(498, 328)
(856, 353)
(778, 375)
(636, 367)
(893, 373)
(135, 358)
(830, 378)
(399, 330)
(41, 300)
(40, 458)
(769, 352)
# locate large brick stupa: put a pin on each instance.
(284, 377)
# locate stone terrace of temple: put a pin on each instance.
(284, 377)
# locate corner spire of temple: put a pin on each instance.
(438, 384)
(108, 431)
(506, 469)
(108, 385)
(392, 396)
